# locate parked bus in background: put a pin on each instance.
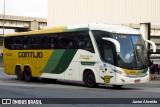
(94, 53)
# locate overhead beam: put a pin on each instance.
(20, 22)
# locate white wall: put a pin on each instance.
(69, 12)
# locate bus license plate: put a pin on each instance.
(137, 81)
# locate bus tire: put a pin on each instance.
(117, 86)
(19, 73)
(89, 79)
(27, 74)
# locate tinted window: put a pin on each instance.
(52, 41)
(43, 40)
(17, 43)
(8, 42)
(84, 41)
(106, 48)
(98, 36)
(68, 40)
(34, 42)
(25, 42)
(107, 52)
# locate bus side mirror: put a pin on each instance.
(115, 42)
(153, 45)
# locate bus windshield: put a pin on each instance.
(133, 53)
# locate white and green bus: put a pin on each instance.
(94, 54)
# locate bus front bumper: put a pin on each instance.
(130, 79)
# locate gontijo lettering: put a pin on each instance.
(30, 54)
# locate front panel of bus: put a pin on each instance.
(127, 67)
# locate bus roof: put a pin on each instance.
(49, 30)
(103, 27)
(109, 28)
(44, 31)
(114, 28)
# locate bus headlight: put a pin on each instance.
(120, 72)
(124, 74)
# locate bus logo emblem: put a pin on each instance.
(107, 79)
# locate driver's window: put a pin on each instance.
(108, 54)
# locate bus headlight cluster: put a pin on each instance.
(120, 72)
(124, 74)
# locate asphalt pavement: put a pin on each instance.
(10, 87)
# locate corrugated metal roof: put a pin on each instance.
(70, 12)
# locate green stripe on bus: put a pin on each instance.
(59, 61)
(145, 70)
(65, 61)
(53, 61)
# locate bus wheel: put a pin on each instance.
(27, 74)
(19, 73)
(117, 86)
(90, 80)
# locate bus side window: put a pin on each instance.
(98, 36)
(8, 42)
(34, 42)
(25, 42)
(108, 52)
(81, 44)
(43, 42)
(18, 43)
(53, 41)
(67, 40)
(84, 41)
